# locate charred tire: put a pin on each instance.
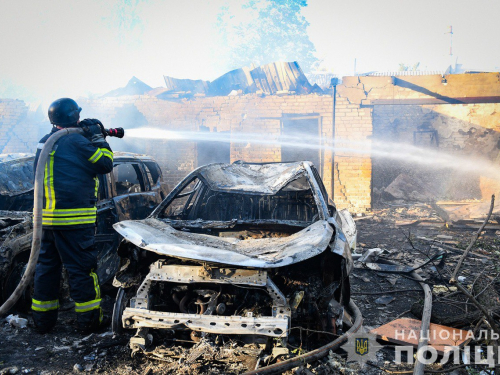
(122, 299)
(12, 281)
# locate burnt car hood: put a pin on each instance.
(159, 237)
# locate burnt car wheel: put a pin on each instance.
(12, 281)
(122, 299)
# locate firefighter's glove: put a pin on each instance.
(94, 130)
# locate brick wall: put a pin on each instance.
(388, 108)
(352, 181)
(393, 108)
(249, 118)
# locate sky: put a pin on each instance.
(76, 48)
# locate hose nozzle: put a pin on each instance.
(116, 132)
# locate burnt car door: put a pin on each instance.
(154, 177)
(131, 191)
(134, 199)
(107, 239)
(328, 201)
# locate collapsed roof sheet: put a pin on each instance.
(281, 76)
(16, 173)
(265, 179)
(238, 79)
(277, 77)
(195, 86)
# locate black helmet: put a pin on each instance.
(64, 112)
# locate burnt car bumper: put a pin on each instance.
(140, 315)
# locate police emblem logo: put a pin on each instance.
(361, 345)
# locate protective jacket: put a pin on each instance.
(68, 238)
(71, 183)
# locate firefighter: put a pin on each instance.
(69, 216)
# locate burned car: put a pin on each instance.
(243, 249)
(131, 191)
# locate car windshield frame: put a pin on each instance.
(320, 201)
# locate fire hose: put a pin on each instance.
(316, 354)
(321, 352)
(37, 217)
(37, 211)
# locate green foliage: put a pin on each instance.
(405, 68)
(126, 20)
(126, 15)
(264, 31)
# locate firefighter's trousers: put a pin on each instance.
(75, 248)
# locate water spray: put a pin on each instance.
(363, 148)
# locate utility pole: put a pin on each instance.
(451, 40)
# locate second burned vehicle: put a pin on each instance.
(237, 249)
(131, 191)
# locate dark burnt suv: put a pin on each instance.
(130, 192)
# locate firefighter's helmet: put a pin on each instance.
(64, 112)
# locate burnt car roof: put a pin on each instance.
(16, 174)
(254, 178)
(16, 170)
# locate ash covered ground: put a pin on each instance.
(407, 233)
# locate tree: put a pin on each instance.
(405, 68)
(264, 31)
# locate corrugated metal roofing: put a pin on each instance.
(402, 73)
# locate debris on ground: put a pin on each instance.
(406, 331)
(407, 246)
(16, 321)
(406, 188)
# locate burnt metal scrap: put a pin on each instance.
(15, 237)
(238, 250)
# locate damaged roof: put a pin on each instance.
(16, 174)
(274, 78)
(265, 179)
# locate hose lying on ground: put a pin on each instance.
(418, 369)
(37, 218)
(316, 354)
(321, 352)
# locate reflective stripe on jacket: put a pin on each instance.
(70, 181)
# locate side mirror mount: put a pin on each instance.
(331, 210)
